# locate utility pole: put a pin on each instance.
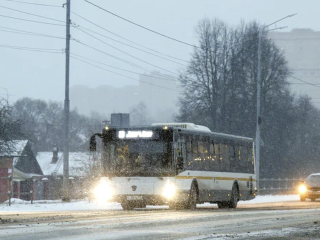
(257, 150)
(259, 120)
(66, 196)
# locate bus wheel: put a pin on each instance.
(172, 206)
(234, 197)
(178, 205)
(193, 197)
(141, 205)
(223, 204)
(127, 206)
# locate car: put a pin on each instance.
(310, 188)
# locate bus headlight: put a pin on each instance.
(103, 191)
(302, 188)
(169, 190)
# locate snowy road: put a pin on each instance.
(269, 220)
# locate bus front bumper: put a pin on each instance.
(151, 199)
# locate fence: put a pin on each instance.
(8, 191)
(279, 186)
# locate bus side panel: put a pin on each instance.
(217, 186)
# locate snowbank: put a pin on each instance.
(18, 205)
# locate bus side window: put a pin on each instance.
(243, 159)
(194, 153)
(189, 152)
(203, 150)
(232, 158)
(216, 164)
(211, 157)
(224, 158)
(252, 160)
(206, 154)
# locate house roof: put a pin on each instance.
(78, 163)
(12, 148)
(18, 175)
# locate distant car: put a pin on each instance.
(310, 188)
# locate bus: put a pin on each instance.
(175, 164)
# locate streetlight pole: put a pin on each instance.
(257, 150)
(66, 196)
(258, 123)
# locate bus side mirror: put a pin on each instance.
(93, 144)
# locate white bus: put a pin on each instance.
(179, 164)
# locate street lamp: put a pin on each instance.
(258, 120)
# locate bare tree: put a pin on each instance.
(9, 127)
(220, 82)
(42, 124)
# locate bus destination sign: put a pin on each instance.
(134, 134)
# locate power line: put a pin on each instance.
(39, 4)
(150, 49)
(129, 54)
(110, 55)
(27, 20)
(291, 15)
(124, 75)
(120, 59)
(12, 30)
(174, 39)
(166, 79)
(302, 84)
(32, 14)
(79, 28)
(304, 81)
(48, 50)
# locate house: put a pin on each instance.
(20, 173)
(51, 163)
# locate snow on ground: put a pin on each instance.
(18, 205)
(272, 198)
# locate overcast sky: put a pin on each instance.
(42, 74)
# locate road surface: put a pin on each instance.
(279, 220)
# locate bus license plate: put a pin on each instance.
(134, 197)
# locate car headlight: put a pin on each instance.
(302, 188)
(169, 190)
(103, 191)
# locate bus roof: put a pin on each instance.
(189, 128)
(184, 125)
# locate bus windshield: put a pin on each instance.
(140, 158)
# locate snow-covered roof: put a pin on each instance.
(13, 148)
(18, 175)
(78, 162)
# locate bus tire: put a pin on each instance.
(172, 205)
(193, 197)
(302, 198)
(223, 204)
(233, 202)
(128, 206)
(178, 205)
